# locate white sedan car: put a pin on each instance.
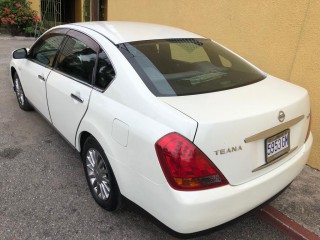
(173, 121)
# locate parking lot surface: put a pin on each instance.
(44, 194)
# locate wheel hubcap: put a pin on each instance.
(19, 92)
(98, 174)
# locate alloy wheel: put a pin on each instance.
(19, 92)
(98, 174)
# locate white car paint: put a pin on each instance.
(122, 31)
(59, 89)
(127, 120)
(36, 84)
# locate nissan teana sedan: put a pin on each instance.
(173, 121)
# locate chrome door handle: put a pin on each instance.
(75, 97)
(41, 77)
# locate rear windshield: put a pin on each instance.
(177, 67)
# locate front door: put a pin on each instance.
(37, 69)
(34, 81)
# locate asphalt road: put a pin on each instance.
(43, 191)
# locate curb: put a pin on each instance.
(285, 224)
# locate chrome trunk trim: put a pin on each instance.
(272, 131)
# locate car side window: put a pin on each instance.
(46, 49)
(105, 71)
(77, 60)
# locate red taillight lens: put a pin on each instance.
(185, 166)
(309, 128)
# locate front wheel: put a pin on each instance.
(100, 178)
(22, 100)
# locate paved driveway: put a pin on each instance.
(43, 192)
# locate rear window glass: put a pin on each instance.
(177, 67)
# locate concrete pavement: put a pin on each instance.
(300, 202)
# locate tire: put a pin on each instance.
(100, 177)
(22, 100)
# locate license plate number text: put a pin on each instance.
(277, 145)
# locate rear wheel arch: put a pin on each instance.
(89, 128)
(83, 137)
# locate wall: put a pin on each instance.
(280, 37)
(35, 5)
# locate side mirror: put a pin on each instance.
(20, 53)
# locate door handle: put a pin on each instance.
(75, 97)
(41, 77)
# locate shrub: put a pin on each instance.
(17, 15)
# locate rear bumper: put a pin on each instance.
(188, 212)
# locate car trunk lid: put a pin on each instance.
(233, 125)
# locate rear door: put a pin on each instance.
(69, 86)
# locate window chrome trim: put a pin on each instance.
(101, 47)
(39, 63)
(72, 78)
(57, 31)
(102, 90)
(72, 31)
(86, 41)
(51, 68)
(274, 130)
(65, 32)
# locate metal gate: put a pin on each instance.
(50, 13)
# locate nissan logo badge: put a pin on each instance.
(281, 116)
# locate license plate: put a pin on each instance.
(277, 145)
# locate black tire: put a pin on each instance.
(100, 177)
(22, 100)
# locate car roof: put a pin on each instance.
(121, 31)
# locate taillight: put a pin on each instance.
(185, 166)
(309, 128)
